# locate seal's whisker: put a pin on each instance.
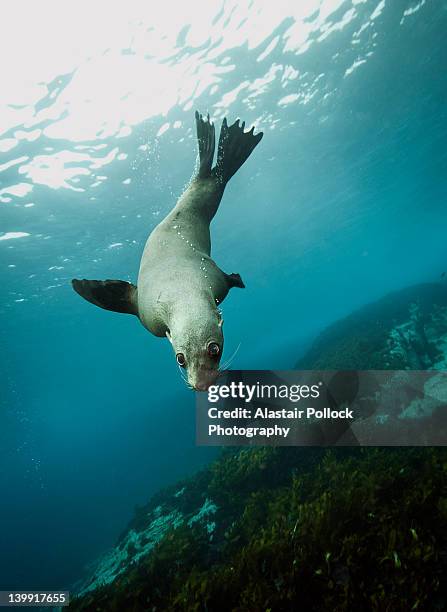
(229, 361)
(183, 377)
(186, 381)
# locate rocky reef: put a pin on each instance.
(280, 529)
(405, 330)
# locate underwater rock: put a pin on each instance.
(131, 548)
(435, 398)
(141, 538)
(267, 528)
(405, 330)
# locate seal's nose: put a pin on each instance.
(202, 386)
(203, 379)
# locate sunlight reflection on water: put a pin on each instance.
(91, 77)
(95, 96)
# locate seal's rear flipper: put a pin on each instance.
(234, 148)
(206, 137)
(116, 295)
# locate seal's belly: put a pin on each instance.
(171, 276)
(176, 261)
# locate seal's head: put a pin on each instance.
(198, 346)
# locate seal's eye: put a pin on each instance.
(213, 349)
(181, 359)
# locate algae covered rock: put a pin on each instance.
(406, 329)
(313, 529)
(350, 529)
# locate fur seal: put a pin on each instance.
(179, 286)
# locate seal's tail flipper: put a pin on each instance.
(235, 146)
(206, 137)
(116, 295)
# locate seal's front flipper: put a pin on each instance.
(206, 137)
(116, 295)
(235, 146)
(231, 280)
(235, 280)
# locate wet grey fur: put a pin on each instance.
(179, 286)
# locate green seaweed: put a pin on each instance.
(360, 529)
(308, 528)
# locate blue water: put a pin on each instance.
(343, 201)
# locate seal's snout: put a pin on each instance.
(203, 386)
(204, 380)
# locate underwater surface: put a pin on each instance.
(343, 201)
